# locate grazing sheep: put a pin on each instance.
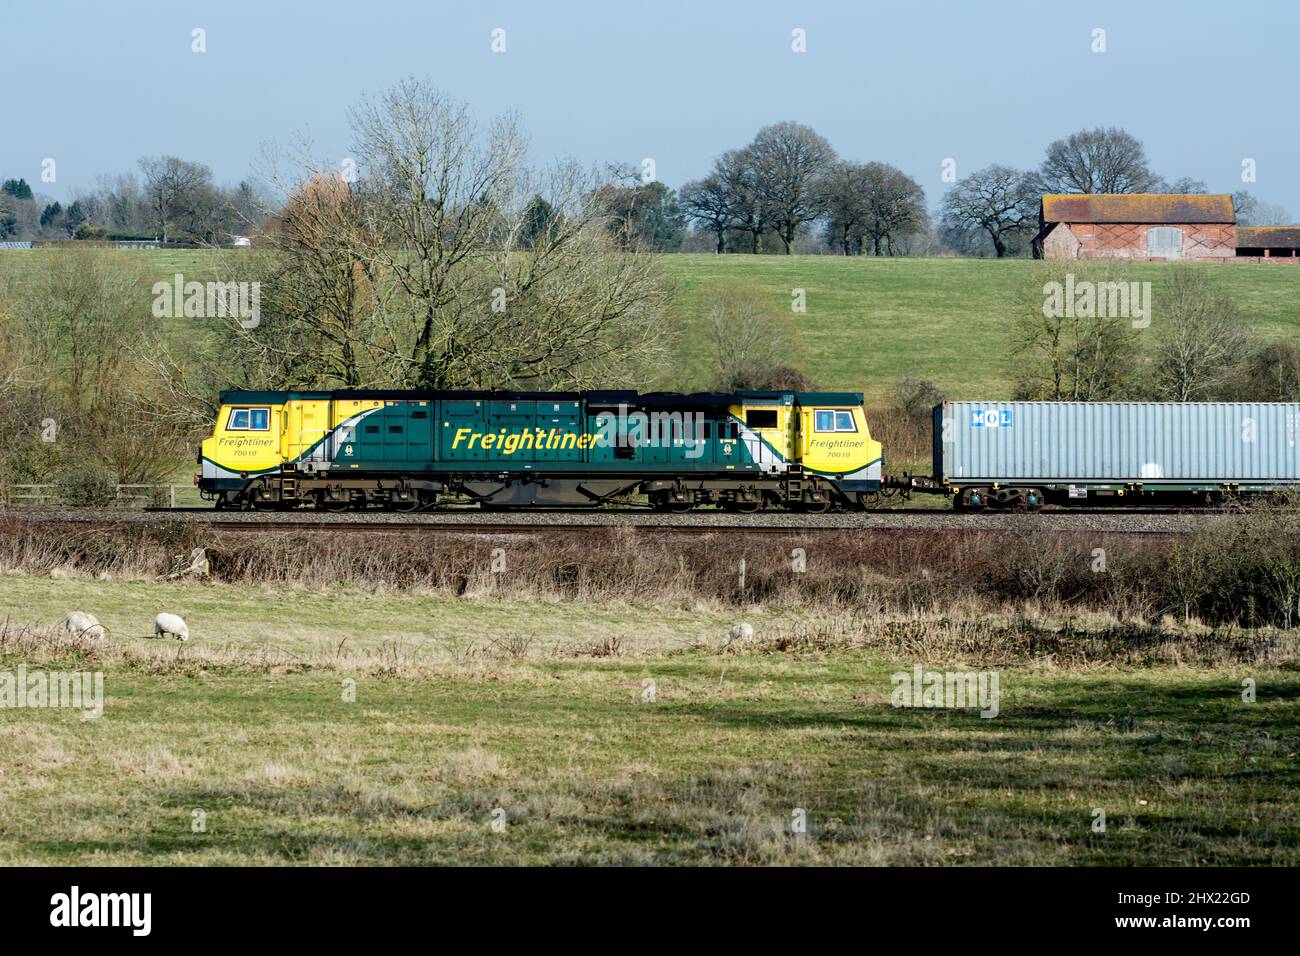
(80, 624)
(170, 624)
(740, 633)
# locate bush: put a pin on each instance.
(1243, 569)
(87, 484)
(780, 378)
(1269, 373)
(915, 398)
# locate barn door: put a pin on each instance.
(1165, 242)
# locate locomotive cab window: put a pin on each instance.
(830, 420)
(760, 417)
(249, 420)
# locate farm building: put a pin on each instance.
(1136, 226)
(1269, 242)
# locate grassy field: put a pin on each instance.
(868, 320)
(561, 744)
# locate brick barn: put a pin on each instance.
(1136, 226)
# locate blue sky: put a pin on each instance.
(96, 85)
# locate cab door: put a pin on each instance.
(306, 423)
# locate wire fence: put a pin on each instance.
(124, 496)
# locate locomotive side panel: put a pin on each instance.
(406, 449)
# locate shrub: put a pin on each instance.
(87, 484)
(915, 398)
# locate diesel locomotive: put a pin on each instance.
(805, 451)
(408, 450)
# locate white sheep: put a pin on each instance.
(170, 624)
(79, 624)
(740, 633)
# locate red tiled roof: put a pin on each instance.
(1138, 207)
(1268, 237)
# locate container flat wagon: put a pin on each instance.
(990, 454)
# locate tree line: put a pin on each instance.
(171, 199)
(787, 190)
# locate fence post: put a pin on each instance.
(172, 492)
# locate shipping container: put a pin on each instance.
(1084, 448)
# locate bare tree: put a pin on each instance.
(433, 272)
(79, 322)
(895, 206)
(1097, 161)
(320, 294)
(172, 186)
(1203, 339)
(1269, 373)
(1252, 211)
(1184, 185)
(871, 206)
(750, 212)
(1072, 354)
(789, 162)
(844, 192)
(997, 201)
(709, 203)
(750, 343)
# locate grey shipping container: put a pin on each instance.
(1169, 445)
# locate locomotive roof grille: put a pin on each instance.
(595, 399)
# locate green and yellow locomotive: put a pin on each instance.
(406, 450)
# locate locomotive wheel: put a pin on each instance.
(742, 507)
(815, 507)
(404, 505)
(662, 501)
(332, 504)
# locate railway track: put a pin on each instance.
(474, 521)
(610, 510)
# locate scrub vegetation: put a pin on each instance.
(347, 701)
